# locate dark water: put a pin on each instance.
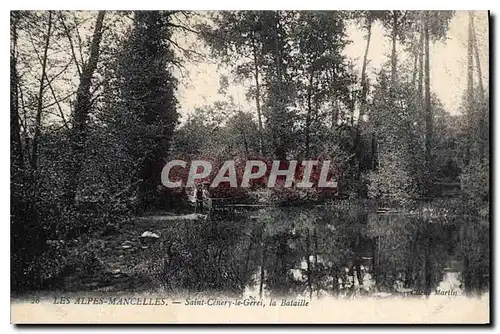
(327, 251)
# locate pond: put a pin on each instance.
(323, 250)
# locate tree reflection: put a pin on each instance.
(328, 251)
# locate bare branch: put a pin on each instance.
(34, 157)
(70, 40)
(186, 51)
(184, 28)
(58, 74)
(80, 43)
(59, 100)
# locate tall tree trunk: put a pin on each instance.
(82, 109)
(480, 106)
(428, 110)
(394, 59)
(415, 69)
(416, 52)
(362, 109)
(257, 95)
(470, 89)
(420, 82)
(421, 59)
(476, 58)
(364, 83)
(245, 141)
(39, 107)
(280, 149)
(17, 161)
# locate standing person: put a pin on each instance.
(206, 196)
(199, 197)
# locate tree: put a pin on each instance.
(395, 18)
(319, 71)
(430, 26)
(38, 119)
(481, 94)
(148, 104)
(82, 108)
(236, 36)
(435, 26)
(428, 110)
(396, 22)
(17, 160)
(294, 79)
(365, 20)
(475, 173)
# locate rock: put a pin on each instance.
(148, 238)
(126, 244)
(149, 234)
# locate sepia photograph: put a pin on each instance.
(250, 166)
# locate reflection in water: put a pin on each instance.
(324, 251)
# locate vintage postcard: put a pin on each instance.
(250, 167)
